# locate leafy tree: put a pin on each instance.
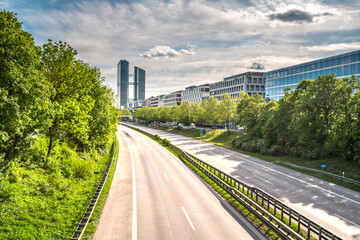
(183, 113)
(249, 109)
(211, 109)
(197, 113)
(227, 108)
(24, 95)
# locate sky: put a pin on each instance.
(182, 43)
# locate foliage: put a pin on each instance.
(24, 93)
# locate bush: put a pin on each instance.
(313, 153)
(275, 150)
(166, 142)
(157, 137)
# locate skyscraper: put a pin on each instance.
(123, 82)
(139, 84)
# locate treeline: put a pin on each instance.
(46, 92)
(320, 118)
(208, 111)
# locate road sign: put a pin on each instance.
(201, 132)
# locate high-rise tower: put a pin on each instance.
(123, 82)
(139, 84)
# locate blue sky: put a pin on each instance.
(181, 43)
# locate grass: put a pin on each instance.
(45, 200)
(92, 225)
(333, 165)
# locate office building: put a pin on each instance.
(157, 101)
(195, 94)
(343, 65)
(133, 105)
(250, 82)
(139, 84)
(123, 82)
(172, 99)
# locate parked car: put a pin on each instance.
(192, 126)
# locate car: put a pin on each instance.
(192, 126)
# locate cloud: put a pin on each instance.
(167, 52)
(292, 16)
(333, 47)
(257, 66)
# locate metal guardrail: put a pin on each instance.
(345, 179)
(283, 220)
(80, 229)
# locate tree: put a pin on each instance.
(24, 94)
(183, 113)
(197, 113)
(249, 109)
(72, 81)
(211, 109)
(227, 108)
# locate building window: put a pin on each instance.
(249, 80)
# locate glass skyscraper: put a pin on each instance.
(139, 84)
(343, 65)
(123, 82)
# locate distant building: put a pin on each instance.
(172, 99)
(343, 65)
(157, 101)
(133, 105)
(139, 84)
(195, 94)
(123, 82)
(250, 82)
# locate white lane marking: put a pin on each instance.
(134, 215)
(166, 177)
(187, 216)
(310, 184)
(264, 179)
(346, 220)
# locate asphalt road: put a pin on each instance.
(165, 200)
(334, 207)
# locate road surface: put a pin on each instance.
(334, 207)
(165, 200)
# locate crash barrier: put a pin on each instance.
(345, 179)
(80, 229)
(280, 218)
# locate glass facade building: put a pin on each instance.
(123, 82)
(139, 84)
(343, 65)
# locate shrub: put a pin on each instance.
(157, 137)
(166, 142)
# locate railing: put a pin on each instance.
(345, 179)
(80, 229)
(283, 220)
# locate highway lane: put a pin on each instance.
(171, 202)
(332, 206)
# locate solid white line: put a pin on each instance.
(346, 220)
(134, 215)
(264, 179)
(166, 177)
(289, 176)
(187, 216)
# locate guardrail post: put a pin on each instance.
(299, 223)
(275, 208)
(290, 217)
(320, 233)
(308, 234)
(262, 199)
(282, 211)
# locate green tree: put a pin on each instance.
(227, 108)
(183, 113)
(24, 94)
(72, 81)
(211, 109)
(197, 113)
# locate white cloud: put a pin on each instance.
(334, 47)
(166, 52)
